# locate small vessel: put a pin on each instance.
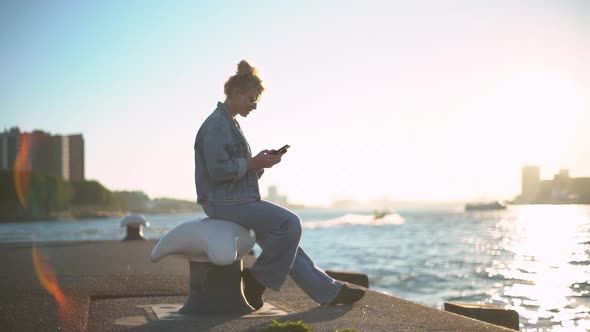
(484, 206)
(378, 214)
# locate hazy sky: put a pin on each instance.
(420, 100)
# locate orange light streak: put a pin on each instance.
(22, 170)
(48, 280)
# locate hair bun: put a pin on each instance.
(246, 78)
(244, 68)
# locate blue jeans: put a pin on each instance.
(278, 231)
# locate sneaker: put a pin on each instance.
(253, 290)
(348, 295)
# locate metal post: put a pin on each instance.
(134, 233)
(216, 289)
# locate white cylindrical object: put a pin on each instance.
(217, 241)
(134, 220)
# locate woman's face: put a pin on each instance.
(244, 102)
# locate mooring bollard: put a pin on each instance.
(134, 224)
(216, 289)
(215, 249)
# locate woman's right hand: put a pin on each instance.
(264, 160)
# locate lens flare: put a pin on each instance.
(22, 170)
(48, 280)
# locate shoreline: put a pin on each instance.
(88, 215)
(104, 214)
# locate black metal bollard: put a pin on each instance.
(216, 289)
(134, 224)
(134, 233)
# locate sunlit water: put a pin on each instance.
(533, 259)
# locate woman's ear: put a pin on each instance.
(233, 94)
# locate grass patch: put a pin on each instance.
(299, 326)
(288, 326)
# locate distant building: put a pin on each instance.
(562, 189)
(61, 156)
(76, 157)
(345, 204)
(531, 182)
(9, 146)
(275, 197)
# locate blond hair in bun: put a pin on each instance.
(246, 78)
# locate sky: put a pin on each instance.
(422, 100)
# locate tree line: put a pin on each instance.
(26, 195)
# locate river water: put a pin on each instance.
(534, 259)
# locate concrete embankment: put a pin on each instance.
(113, 285)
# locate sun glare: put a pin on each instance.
(547, 243)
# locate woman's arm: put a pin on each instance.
(222, 167)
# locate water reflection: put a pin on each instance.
(546, 281)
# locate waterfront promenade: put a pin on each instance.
(113, 286)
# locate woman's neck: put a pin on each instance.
(228, 106)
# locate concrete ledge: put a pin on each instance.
(487, 313)
(109, 283)
(356, 278)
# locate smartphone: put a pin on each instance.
(283, 149)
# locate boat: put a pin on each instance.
(378, 214)
(484, 206)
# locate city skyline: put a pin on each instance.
(428, 101)
(63, 156)
(43, 152)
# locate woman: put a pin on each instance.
(226, 177)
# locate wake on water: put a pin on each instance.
(356, 219)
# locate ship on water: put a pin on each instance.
(485, 206)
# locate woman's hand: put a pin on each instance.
(264, 160)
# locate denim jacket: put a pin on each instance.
(221, 158)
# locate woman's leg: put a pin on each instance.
(314, 282)
(278, 231)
